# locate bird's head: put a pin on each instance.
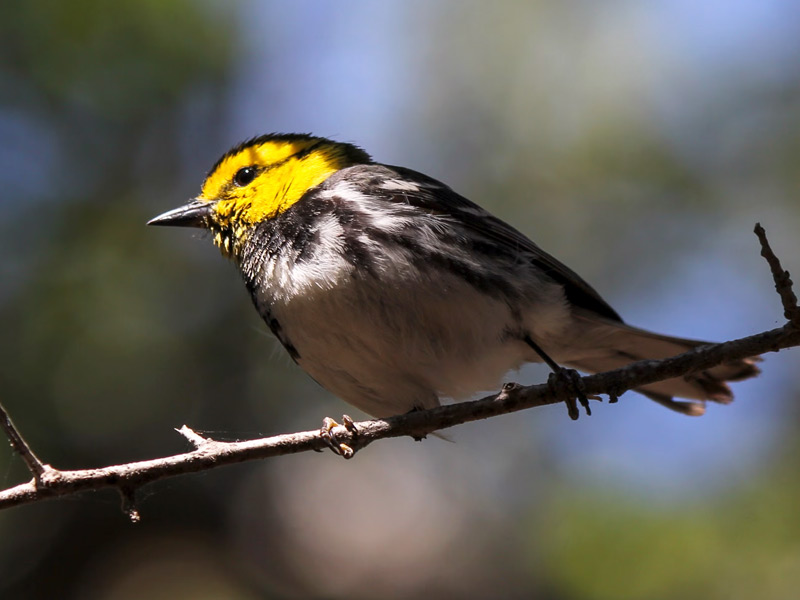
(259, 180)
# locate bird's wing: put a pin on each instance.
(421, 191)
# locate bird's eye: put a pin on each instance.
(244, 176)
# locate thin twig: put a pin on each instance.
(783, 282)
(20, 446)
(512, 398)
(129, 506)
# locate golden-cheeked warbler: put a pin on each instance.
(393, 291)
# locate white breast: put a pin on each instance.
(388, 348)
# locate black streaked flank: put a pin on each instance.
(272, 322)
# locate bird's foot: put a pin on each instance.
(327, 434)
(570, 382)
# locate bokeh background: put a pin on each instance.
(638, 142)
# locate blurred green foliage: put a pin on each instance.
(741, 546)
(555, 117)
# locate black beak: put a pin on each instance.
(195, 214)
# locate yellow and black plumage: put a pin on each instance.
(394, 291)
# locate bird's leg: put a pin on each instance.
(326, 433)
(563, 377)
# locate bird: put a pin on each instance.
(395, 292)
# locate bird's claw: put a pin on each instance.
(327, 434)
(570, 381)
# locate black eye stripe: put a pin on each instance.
(244, 176)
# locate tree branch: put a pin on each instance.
(48, 482)
(783, 283)
(20, 446)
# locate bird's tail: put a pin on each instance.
(615, 345)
